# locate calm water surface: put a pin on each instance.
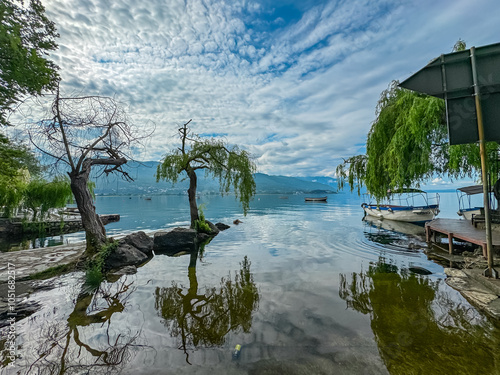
(303, 288)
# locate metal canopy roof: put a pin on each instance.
(471, 190)
(450, 77)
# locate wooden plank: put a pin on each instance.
(462, 230)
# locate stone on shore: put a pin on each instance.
(132, 250)
(478, 290)
(125, 255)
(214, 230)
(141, 241)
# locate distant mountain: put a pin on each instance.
(145, 183)
(330, 181)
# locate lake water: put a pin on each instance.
(300, 288)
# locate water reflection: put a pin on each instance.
(390, 232)
(203, 319)
(418, 327)
(65, 349)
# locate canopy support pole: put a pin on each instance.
(490, 271)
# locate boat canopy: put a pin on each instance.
(471, 190)
(405, 191)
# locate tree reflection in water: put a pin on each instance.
(64, 351)
(420, 329)
(204, 319)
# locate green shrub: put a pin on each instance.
(200, 225)
(94, 273)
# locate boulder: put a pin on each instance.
(141, 241)
(175, 241)
(214, 230)
(125, 255)
(222, 226)
(179, 240)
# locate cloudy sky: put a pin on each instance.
(295, 82)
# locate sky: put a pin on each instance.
(293, 82)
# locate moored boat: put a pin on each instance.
(408, 205)
(316, 199)
(470, 201)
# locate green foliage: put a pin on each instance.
(17, 163)
(26, 38)
(94, 273)
(200, 225)
(40, 195)
(230, 165)
(407, 145)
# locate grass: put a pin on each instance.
(94, 273)
(53, 271)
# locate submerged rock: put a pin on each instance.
(420, 270)
(175, 241)
(222, 226)
(180, 240)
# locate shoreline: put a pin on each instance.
(481, 292)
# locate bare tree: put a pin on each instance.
(83, 133)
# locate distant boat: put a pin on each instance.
(147, 198)
(315, 199)
(409, 205)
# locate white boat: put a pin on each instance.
(470, 201)
(316, 199)
(408, 205)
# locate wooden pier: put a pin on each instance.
(461, 230)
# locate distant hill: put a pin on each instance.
(330, 181)
(145, 183)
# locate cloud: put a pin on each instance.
(298, 89)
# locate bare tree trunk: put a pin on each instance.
(193, 207)
(95, 234)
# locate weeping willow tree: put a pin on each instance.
(408, 144)
(41, 195)
(17, 164)
(232, 166)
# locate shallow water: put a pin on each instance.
(304, 288)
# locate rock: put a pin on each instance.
(420, 270)
(453, 272)
(175, 241)
(125, 255)
(214, 230)
(179, 240)
(237, 221)
(478, 298)
(222, 226)
(141, 241)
